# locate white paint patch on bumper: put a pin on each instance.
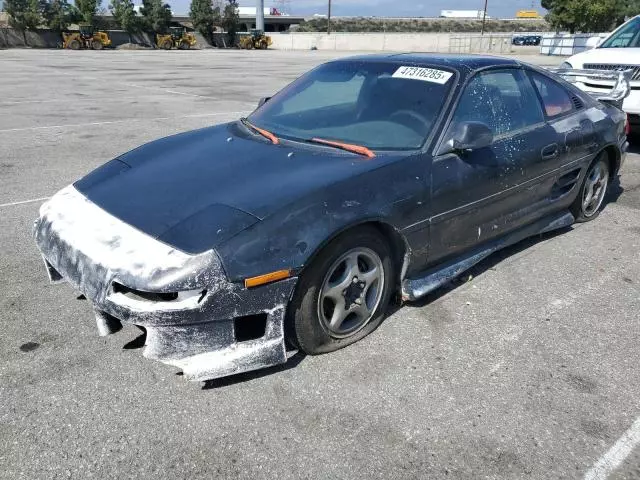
(93, 250)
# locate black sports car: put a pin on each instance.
(526, 40)
(296, 226)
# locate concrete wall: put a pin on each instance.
(397, 42)
(10, 38)
(496, 43)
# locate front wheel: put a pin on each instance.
(96, 45)
(343, 295)
(589, 202)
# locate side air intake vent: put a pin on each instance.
(577, 103)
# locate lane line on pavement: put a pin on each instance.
(11, 204)
(76, 100)
(616, 454)
(111, 122)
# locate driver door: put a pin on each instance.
(477, 195)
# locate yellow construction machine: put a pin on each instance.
(87, 37)
(256, 39)
(178, 37)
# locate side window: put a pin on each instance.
(556, 100)
(504, 100)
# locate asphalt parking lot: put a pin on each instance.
(531, 369)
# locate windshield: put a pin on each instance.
(627, 37)
(376, 105)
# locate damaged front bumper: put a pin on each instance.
(194, 317)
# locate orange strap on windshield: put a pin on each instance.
(347, 146)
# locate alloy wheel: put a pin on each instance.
(595, 188)
(351, 292)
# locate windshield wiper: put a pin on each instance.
(265, 133)
(359, 149)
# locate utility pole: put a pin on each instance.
(260, 15)
(484, 16)
(329, 20)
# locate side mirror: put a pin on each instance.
(467, 136)
(263, 100)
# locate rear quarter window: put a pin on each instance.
(555, 99)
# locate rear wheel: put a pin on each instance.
(74, 45)
(96, 45)
(589, 202)
(343, 295)
(166, 45)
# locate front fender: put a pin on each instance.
(394, 195)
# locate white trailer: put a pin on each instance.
(478, 14)
(252, 11)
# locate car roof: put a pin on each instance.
(451, 60)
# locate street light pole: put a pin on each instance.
(329, 19)
(260, 15)
(484, 16)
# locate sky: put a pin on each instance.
(387, 8)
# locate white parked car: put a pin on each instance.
(619, 51)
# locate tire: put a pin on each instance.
(184, 45)
(74, 45)
(166, 45)
(590, 199)
(309, 324)
(96, 45)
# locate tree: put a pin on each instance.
(231, 19)
(585, 15)
(88, 9)
(58, 14)
(630, 8)
(24, 14)
(203, 17)
(156, 15)
(124, 14)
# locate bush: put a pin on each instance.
(421, 25)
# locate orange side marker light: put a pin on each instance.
(266, 278)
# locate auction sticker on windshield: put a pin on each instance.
(424, 74)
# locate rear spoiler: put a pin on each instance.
(620, 90)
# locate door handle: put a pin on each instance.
(550, 151)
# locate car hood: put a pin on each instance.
(197, 189)
(609, 56)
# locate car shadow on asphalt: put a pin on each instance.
(485, 265)
(295, 360)
(216, 383)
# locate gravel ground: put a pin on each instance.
(529, 370)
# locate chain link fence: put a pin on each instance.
(501, 43)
